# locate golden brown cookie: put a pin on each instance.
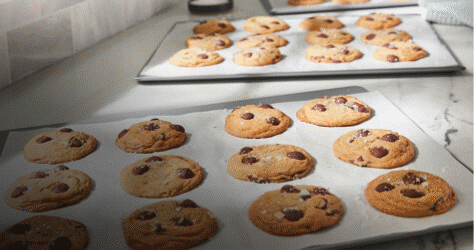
(194, 57)
(48, 189)
(151, 136)
(252, 121)
(45, 232)
(265, 24)
(263, 40)
(376, 21)
(305, 2)
(410, 193)
(210, 41)
(331, 36)
(320, 22)
(332, 53)
(169, 225)
(374, 148)
(399, 52)
(258, 56)
(381, 37)
(270, 163)
(61, 146)
(335, 111)
(161, 176)
(214, 26)
(296, 210)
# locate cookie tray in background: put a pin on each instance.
(439, 59)
(281, 7)
(227, 198)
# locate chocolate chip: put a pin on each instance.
(389, 18)
(392, 33)
(62, 168)
(151, 126)
(392, 58)
(43, 139)
(222, 25)
(178, 128)
(219, 43)
(41, 175)
(153, 159)
(369, 19)
(389, 138)
(265, 27)
(188, 204)
(362, 133)
(330, 46)
(305, 197)
(19, 191)
(360, 159)
(161, 137)
(66, 130)
(412, 193)
(269, 40)
(196, 38)
(340, 100)
(243, 39)
(293, 214)
(203, 56)
(413, 179)
(273, 121)
(417, 49)
(296, 155)
(145, 215)
(322, 35)
(256, 180)
(60, 188)
(345, 52)
(336, 61)
(122, 133)
(21, 228)
(247, 116)
(317, 57)
(141, 170)
(322, 203)
(332, 212)
(384, 187)
(266, 106)
(75, 143)
(275, 22)
(158, 228)
(60, 243)
(185, 173)
(249, 160)
(319, 107)
(358, 107)
(379, 152)
(249, 54)
(289, 189)
(370, 36)
(321, 191)
(182, 222)
(245, 150)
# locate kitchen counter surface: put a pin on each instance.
(99, 82)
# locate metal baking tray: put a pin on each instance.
(440, 59)
(281, 7)
(227, 198)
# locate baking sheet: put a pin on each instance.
(227, 198)
(440, 59)
(280, 7)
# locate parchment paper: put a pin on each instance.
(227, 198)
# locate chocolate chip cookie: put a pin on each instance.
(48, 189)
(161, 176)
(335, 111)
(331, 36)
(258, 56)
(210, 41)
(193, 57)
(170, 225)
(262, 40)
(320, 22)
(265, 24)
(381, 37)
(53, 147)
(296, 210)
(151, 136)
(214, 26)
(270, 163)
(376, 21)
(410, 193)
(399, 52)
(45, 232)
(332, 53)
(252, 121)
(374, 148)
(305, 2)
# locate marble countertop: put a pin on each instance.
(99, 82)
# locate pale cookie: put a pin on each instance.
(296, 210)
(332, 53)
(410, 193)
(305, 2)
(214, 26)
(258, 56)
(169, 225)
(161, 176)
(270, 163)
(331, 36)
(45, 232)
(265, 24)
(399, 52)
(374, 148)
(381, 37)
(48, 189)
(210, 41)
(151, 136)
(376, 21)
(194, 57)
(320, 22)
(252, 121)
(264, 40)
(61, 146)
(335, 111)
(349, 1)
